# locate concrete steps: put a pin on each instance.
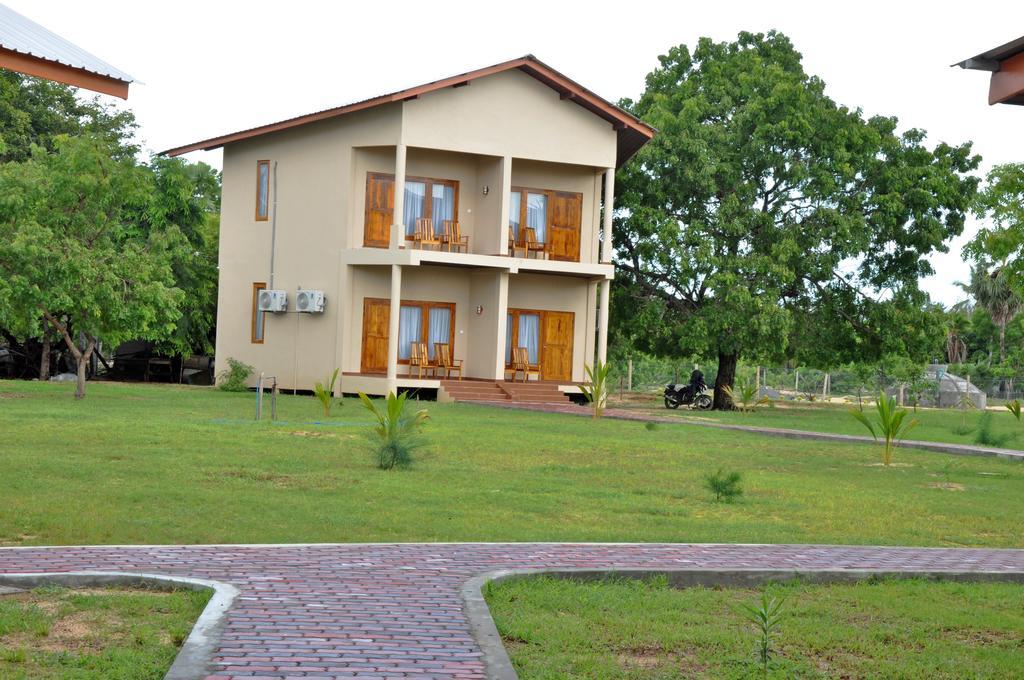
(485, 390)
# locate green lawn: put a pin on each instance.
(162, 464)
(632, 629)
(939, 425)
(96, 634)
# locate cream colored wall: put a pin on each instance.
(314, 165)
(481, 348)
(558, 294)
(512, 114)
(536, 175)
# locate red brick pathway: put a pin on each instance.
(394, 610)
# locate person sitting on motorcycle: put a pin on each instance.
(696, 384)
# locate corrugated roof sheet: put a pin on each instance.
(20, 34)
(989, 60)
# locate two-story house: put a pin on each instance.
(466, 212)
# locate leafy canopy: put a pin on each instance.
(764, 219)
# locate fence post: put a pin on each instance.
(629, 375)
(824, 388)
(757, 380)
(259, 397)
(273, 400)
(901, 393)
(621, 383)
(796, 387)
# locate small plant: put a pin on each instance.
(892, 425)
(964, 402)
(652, 426)
(766, 618)
(743, 395)
(1014, 408)
(985, 435)
(236, 376)
(947, 470)
(397, 430)
(325, 394)
(596, 388)
(726, 486)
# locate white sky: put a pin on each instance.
(212, 67)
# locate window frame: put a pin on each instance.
(425, 307)
(259, 186)
(515, 312)
(428, 203)
(524, 193)
(258, 317)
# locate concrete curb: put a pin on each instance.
(194, 659)
(499, 666)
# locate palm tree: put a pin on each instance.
(990, 289)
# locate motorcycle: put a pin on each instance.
(685, 394)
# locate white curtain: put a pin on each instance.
(443, 207)
(537, 215)
(440, 327)
(508, 340)
(529, 335)
(415, 195)
(514, 206)
(410, 325)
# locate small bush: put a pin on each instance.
(985, 435)
(234, 378)
(726, 486)
(396, 436)
(325, 394)
(652, 426)
(1014, 408)
(962, 429)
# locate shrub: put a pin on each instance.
(397, 431)
(234, 378)
(766, 618)
(652, 426)
(743, 396)
(1014, 408)
(325, 393)
(726, 486)
(596, 389)
(985, 435)
(892, 425)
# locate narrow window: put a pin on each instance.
(514, 208)
(259, 319)
(537, 215)
(262, 190)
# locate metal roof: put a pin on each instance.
(989, 60)
(20, 34)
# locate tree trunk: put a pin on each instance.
(44, 361)
(1002, 358)
(81, 358)
(725, 379)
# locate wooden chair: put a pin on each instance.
(535, 246)
(420, 360)
(445, 363)
(521, 363)
(515, 246)
(423, 235)
(453, 237)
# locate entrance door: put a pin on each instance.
(380, 205)
(566, 219)
(375, 336)
(556, 349)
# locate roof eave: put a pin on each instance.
(39, 67)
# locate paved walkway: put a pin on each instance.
(394, 610)
(627, 414)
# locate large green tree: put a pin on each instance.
(72, 255)
(1001, 202)
(764, 211)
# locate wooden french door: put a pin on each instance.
(374, 357)
(566, 219)
(380, 205)
(554, 339)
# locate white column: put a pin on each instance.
(506, 197)
(501, 312)
(397, 227)
(393, 315)
(602, 327)
(609, 207)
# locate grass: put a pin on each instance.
(938, 425)
(883, 629)
(163, 464)
(101, 634)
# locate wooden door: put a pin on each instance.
(556, 346)
(380, 205)
(374, 357)
(566, 211)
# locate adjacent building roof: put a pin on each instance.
(632, 132)
(29, 48)
(1006, 63)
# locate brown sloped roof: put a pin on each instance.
(632, 132)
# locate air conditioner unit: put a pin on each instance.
(272, 301)
(310, 301)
